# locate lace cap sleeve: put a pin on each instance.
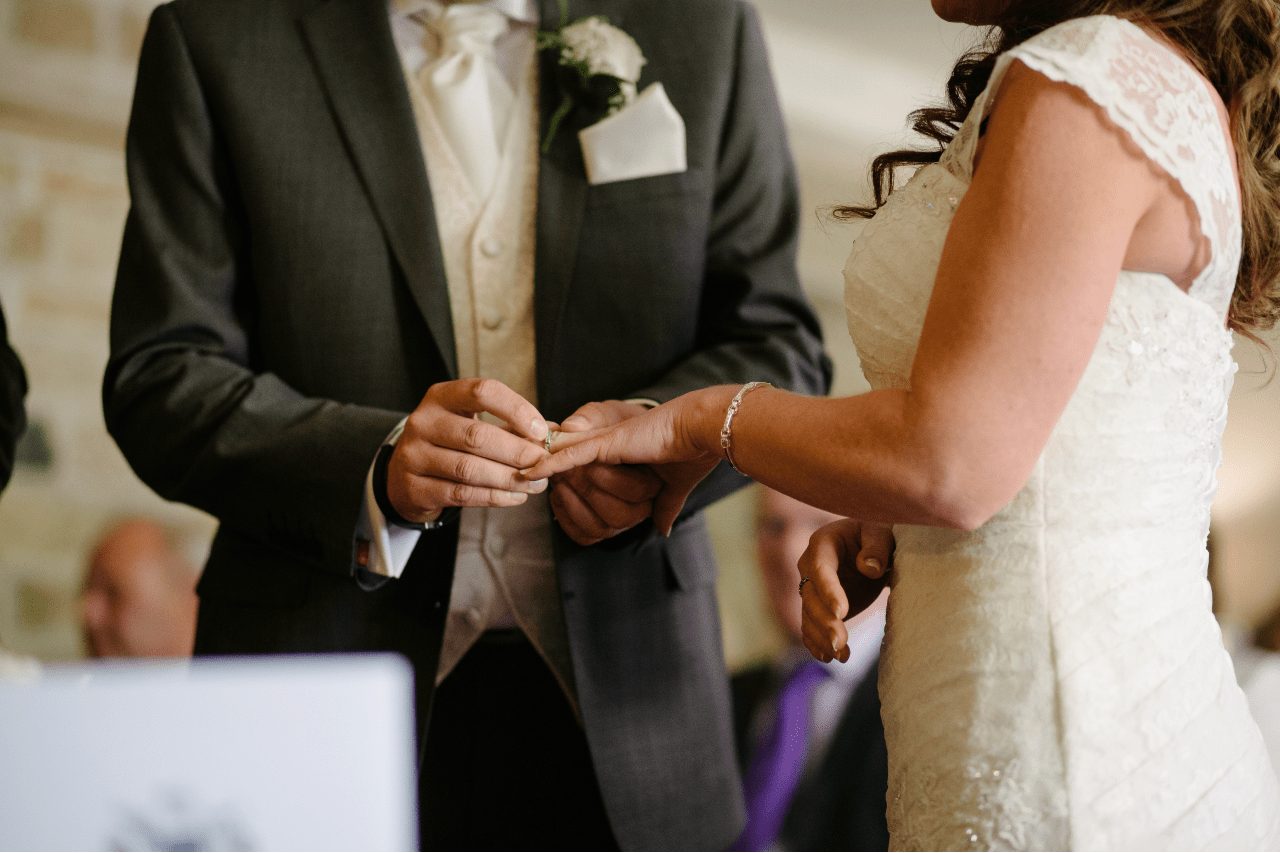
(1155, 96)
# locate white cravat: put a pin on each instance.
(471, 98)
(505, 574)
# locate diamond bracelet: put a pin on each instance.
(726, 432)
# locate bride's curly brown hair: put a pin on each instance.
(1235, 44)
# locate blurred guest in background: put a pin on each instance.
(1267, 636)
(13, 417)
(809, 734)
(139, 595)
(13, 421)
(1255, 657)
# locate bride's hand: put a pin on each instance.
(847, 564)
(679, 440)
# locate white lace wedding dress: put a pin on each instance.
(1055, 679)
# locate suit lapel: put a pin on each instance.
(357, 63)
(562, 193)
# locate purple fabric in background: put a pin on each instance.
(778, 763)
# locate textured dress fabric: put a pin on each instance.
(1056, 679)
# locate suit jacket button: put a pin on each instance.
(496, 546)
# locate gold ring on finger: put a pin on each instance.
(803, 581)
(552, 435)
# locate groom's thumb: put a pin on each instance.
(590, 416)
(575, 423)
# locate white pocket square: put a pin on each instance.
(643, 139)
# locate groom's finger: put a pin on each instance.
(632, 484)
(474, 437)
(597, 415)
(473, 396)
(428, 494)
(614, 513)
(467, 468)
(577, 518)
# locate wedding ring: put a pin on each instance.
(551, 436)
(803, 581)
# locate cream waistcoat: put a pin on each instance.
(505, 572)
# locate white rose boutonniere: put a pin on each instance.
(599, 66)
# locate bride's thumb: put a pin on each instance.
(666, 509)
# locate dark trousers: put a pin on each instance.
(506, 765)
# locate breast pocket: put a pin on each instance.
(691, 182)
(642, 256)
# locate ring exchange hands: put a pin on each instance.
(665, 435)
(599, 501)
(846, 563)
(447, 456)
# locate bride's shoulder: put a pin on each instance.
(1141, 80)
(1106, 47)
(1080, 36)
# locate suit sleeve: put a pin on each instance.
(196, 417)
(13, 416)
(755, 323)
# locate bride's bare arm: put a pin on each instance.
(1060, 203)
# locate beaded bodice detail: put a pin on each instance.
(1055, 679)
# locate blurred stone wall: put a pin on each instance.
(66, 80)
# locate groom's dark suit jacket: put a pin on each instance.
(281, 304)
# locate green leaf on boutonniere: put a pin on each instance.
(597, 65)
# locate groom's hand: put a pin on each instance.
(599, 501)
(447, 456)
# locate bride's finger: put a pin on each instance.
(822, 630)
(821, 563)
(819, 643)
(818, 610)
(817, 649)
(568, 451)
(667, 506)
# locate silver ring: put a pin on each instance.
(551, 436)
(803, 581)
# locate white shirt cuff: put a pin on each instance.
(389, 546)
